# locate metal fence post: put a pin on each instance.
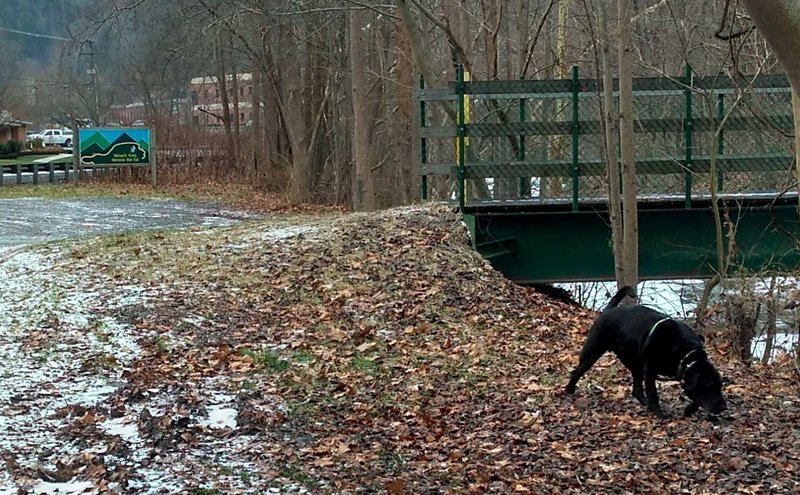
(460, 137)
(687, 129)
(575, 129)
(423, 142)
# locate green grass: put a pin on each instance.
(162, 345)
(267, 359)
(206, 491)
(294, 473)
(59, 191)
(23, 160)
(363, 364)
(303, 357)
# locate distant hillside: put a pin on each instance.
(48, 17)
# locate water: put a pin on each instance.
(679, 298)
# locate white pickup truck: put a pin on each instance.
(52, 137)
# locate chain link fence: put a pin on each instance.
(518, 142)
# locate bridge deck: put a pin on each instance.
(652, 201)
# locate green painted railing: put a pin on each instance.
(505, 143)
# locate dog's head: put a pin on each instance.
(702, 383)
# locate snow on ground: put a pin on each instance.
(48, 336)
(63, 360)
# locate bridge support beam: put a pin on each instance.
(674, 242)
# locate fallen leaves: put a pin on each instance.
(380, 354)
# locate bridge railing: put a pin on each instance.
(542, 141)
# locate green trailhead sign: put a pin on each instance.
(118, 146)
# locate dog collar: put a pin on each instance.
(683, 367)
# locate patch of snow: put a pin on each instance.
(55, 352)
(124, 428)
(287, 232)
(220, 418)
(70, 488)
(275, 234)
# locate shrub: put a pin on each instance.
(10, 149)
(13, 147)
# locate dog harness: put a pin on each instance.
(653, 329)
(685, 363)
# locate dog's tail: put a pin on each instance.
(621, 294)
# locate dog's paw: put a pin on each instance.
(690, 409)
(660, 413)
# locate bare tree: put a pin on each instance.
(627, 152)
(779, 23)
(364, 184)
(611, 135)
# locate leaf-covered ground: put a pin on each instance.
(360, 354)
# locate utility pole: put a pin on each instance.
(92, 71)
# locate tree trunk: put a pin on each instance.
(466, 31)
(259, 157)
(553, 187)
(222, 84)
(363, 183)
(796, 113)
(491, 26)
(627, 151)
(237, 139)
(522, 29)
(409, 171)
(297, 129)
(772, 319)
(611, 135)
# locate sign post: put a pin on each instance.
(76, 159)
(118, 147)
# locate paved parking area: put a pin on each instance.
(31, 220)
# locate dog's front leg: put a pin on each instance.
(651, 392)
(638, 390)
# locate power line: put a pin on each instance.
(34, 35)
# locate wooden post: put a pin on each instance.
(76, 152)
(153, 157)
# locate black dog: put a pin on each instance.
(652, 345)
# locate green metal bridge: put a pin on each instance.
(524, 162)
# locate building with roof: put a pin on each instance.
(207, 103)
(12, 129)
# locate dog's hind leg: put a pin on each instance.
(591, 352)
